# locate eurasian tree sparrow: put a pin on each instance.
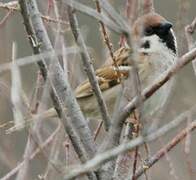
(156, 50)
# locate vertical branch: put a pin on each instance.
(189, 31)
(88, 67)
(183, 10)
(132, 87)
(147, 6)
(131, 11)
(124, 161)
(61, 92)
(107, 39)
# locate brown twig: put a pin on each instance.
(131, 14)
(172, 169)
(5, 18)
(37, 94)
(137, 148)
(116, 24)
(10, 7)
(148, 6)
(131, 10)
(106, 156)
(189, 31)
(162, 79)
(38, 150)
(107, 39)
(98, 130)
(49, 6)
(163, 151)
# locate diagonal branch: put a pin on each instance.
(118, 28)
(13, 6)
(164, 150)
(102, 158)
(89, 67)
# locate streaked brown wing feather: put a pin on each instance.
(107, 75)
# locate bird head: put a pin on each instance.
(154, 34)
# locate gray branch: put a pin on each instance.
(89, 67)
(61, 92)
(104, 157)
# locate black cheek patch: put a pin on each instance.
(146, 45)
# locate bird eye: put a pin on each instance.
(149, 31)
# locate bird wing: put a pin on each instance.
(108, 75)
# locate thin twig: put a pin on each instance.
(172, 169)
(161, 80)
(15, 7)
(137, 129)
(148, 92)
(163, 151)
(98, 130)
(36, 58)
(111, 154)
(148, 6)
(107, 39)
(5, 18)
(189, 31)
(113, 25)
(32, 156)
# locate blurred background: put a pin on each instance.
(176, 165)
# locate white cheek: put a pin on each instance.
(158, 55)
(156, 46)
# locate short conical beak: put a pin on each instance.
(165, 27)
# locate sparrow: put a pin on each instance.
(156, 50)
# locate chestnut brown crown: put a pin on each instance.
(154, 24)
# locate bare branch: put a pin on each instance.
(89, 67)
(122, 28)
(106, 38)
(148, 6)
(32, 156)
(149, 91)
(76, 126)
(164, 150)
(110, 154)
(36, 58)
(14, 6)
(189, 31)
